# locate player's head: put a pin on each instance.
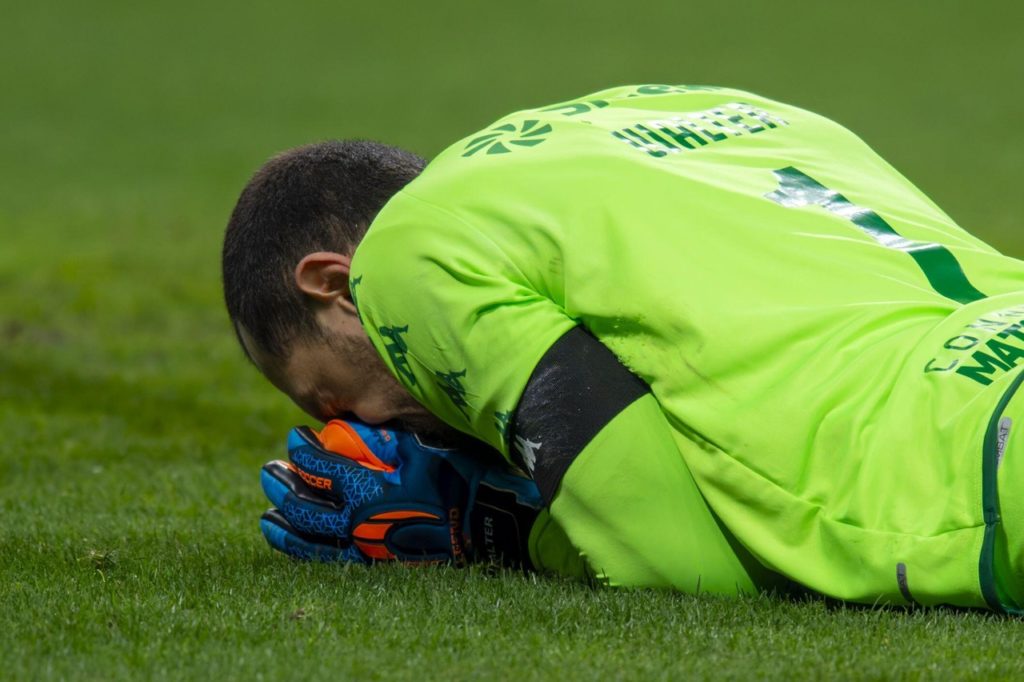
(285, 267)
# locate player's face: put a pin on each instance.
(340, 374)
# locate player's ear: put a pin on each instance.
(323, 276)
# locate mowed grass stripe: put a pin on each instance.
(133, 429)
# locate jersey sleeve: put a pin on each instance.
(604, 460)
(465, 331)
(455, 320)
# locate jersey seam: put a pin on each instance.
(485, 237)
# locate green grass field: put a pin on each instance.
(133, 429)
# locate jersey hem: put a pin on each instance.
(990, 505)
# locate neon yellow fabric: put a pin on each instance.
(651, 527)
(1009, 533)
(826, 346)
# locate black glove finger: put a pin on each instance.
(285, 538)
(354, 475)
(318, 518)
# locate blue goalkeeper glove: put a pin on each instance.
(358, 493)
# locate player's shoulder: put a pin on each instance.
(413, 235)
(607, 128)
(553, 154)
(511, 136)
(405, 225)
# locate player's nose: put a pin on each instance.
(371, 414)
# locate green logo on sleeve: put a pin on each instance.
(501, 420)
(497, 140)
(397, 350)
(452, 386)
(352, 284)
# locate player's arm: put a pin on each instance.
(487, 350)
(601, 452)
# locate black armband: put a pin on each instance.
(575, 390)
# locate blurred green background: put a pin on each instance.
(129, 128)
(132, 425)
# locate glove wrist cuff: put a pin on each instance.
(500, 528)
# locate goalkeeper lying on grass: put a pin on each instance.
(724, 343)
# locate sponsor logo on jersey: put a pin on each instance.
(577, 107)
(985, 348)
(689, 131)
(662, 89)
(504, 138)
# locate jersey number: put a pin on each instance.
(797, 189)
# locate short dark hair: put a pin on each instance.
(320, 197)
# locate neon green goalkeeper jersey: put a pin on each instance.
(830, 358)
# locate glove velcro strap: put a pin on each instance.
(500, 528)
(403, 534)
